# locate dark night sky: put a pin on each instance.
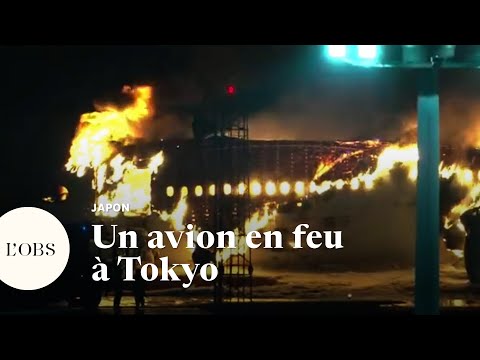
(296, 95)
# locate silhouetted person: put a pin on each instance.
(118, 275)
(145, 254)
(202, 256)
(471, 221)
(139, 290)
(117, 283)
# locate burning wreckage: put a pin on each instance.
(287, 182)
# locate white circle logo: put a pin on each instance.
(34, 248)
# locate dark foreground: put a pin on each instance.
(291, 294)
(255, 308)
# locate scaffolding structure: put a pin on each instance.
(237, 269)
(229, 150)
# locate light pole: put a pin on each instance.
(427, 258)
(426, 60)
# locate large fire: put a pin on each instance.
(389, 157)
(98, 145)
(257, 221)
(102, 137)
(392, 155)
(407, 156)
(325, 167)
(177, 216)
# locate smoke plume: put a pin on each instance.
(306, 117)
(460, 121)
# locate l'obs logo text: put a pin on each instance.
(33, 249)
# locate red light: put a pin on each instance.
(230, 90)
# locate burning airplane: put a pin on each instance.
(107, 142)
(98, 146)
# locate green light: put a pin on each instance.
(356, 55)
(367, 52)
(337, 51)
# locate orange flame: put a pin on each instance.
(406, 156)
(323, 168)
(97, 145)
(258, 221)
(392, 155)
(177, 216)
